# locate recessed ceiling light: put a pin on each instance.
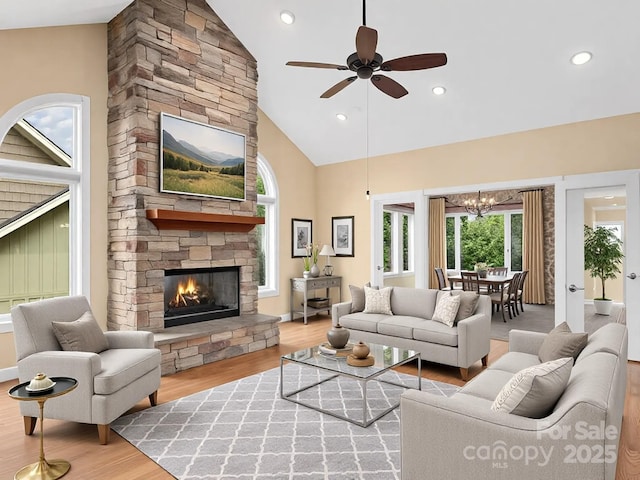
(581, 58)
(608, 197)
(439, 90)
(287, 17)
(341, 116)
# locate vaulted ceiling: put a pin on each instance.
(508, 68)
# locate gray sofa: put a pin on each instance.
(577, 440)
(411, 327)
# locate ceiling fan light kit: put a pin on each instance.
(366, 63)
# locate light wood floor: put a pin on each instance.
(78, 443)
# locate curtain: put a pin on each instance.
(533, 246)
(437, 239)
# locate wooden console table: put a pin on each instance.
(306, 285)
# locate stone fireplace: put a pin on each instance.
(178, 57)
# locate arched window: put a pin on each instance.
(267, 234)
(44, 201)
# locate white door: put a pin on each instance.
(419, 235)
(570, 276)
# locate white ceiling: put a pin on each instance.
(508, 66)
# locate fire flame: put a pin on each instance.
(188, 288)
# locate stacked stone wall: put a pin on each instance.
(175, 57)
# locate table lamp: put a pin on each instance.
(328, 251)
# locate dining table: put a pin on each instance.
(494, 283)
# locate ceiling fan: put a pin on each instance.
(365, 62)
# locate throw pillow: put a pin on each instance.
(468, 302)
(377, 301)
(82, 335)
(561, 342)
(357, 297)
(447, 309)
(534, 391)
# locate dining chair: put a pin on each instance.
(470, 282)
(520, 292)
(442, 283)
(506, 298)
(500, 271)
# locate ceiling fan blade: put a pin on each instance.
(366, 43)
(415, 62)
(388, 86)
(318, 65)
(337, 87)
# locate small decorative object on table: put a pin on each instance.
(318, 302)
(311, 261)
(327, 349)
(481, 268)
(40, 383)
(360, 356)
(338, 336)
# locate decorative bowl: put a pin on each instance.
(40, 382)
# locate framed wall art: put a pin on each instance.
(301, 236)
(342, 236)
(200, 159)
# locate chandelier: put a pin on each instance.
(479, 206)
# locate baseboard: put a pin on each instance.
(285, 317)
(10, 373)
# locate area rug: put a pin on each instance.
(244, 430)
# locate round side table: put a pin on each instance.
(43, 469)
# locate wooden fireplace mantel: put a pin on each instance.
(205, 222)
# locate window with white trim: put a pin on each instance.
(44, 235)
(267, 234)
(495, 239)
(398, 253)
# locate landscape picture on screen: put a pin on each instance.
(200, 159)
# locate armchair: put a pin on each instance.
(109, 382)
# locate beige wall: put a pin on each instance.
(72, 60)
(295, 176)
(586, 147)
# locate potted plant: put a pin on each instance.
(481, 268)
(602, 258)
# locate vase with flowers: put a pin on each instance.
(310, 260)
(482, 269)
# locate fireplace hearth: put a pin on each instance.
(200, 294)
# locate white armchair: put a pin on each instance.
(109, 382)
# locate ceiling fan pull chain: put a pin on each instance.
(364, 12)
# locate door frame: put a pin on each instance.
(630, 179)
(377, 203)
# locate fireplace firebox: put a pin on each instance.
(200, 294)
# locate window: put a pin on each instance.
(267, 234)
(44, 244)
(495, 239)
(397, 241)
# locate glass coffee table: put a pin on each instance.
(317, 369)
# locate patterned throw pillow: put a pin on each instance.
(377, 301)
(357, 297)
(447, 309)
(534, 391)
